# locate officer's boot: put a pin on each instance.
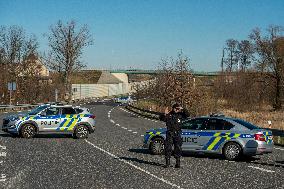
(177, 163)
(168, 162)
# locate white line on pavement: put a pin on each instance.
(112, 121)
(134, 132)
(142, 135)
(117, 124)
(2, 178)
(3, 154)
(130, 130)
(282, 149)
(123, 127)
(5, 112)
(261, 169)
(3, 147)
(136, 167)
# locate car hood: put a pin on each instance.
(15, 116)
(161, 130)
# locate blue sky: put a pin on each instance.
(138, 33)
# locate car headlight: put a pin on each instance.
(14, 119)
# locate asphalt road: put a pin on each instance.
(112, 157)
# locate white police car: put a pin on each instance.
(51, 119)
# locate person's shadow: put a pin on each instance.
(141, 161)
(140, 151)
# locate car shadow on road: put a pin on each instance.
(7, 135)
(141, 161)
(53, 136)
(279, 164)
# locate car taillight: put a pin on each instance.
(259, 137)
(92, 116)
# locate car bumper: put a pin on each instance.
(265, 147)
(146, 140)
(10, 130)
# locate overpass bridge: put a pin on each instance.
(153, 72)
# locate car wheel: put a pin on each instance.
(157, 146)
(232, 151)
(28, 131)
(81, 132)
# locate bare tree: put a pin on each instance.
(232, 55)
(245, 53)
(66, 44)
(270, 57)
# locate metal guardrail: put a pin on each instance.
(278, 135)
(4, 108)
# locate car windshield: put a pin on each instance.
(246, 124)
(37, 110)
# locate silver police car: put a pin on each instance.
(231, 137)
(51, 119)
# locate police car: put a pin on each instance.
(230, 137)
(123, 99)
(51, 119)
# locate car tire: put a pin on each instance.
(81, 132)
(157, 146)
(232, 151)
(28, 131)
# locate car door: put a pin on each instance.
(190, 134)
(49, 119)
(68, 119)
(214, 134)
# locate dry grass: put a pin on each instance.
(260, 118)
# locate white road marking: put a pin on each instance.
(5, 112)
(3, 154)
(112, 121)
(142, 135)
(261, 169)
(136, 167)
(117, 125)
(130, 130)
(124, 128)
(2, 178)
(3, 147)
(282, 149)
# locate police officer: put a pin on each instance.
(173, 136)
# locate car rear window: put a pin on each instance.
(246, 124)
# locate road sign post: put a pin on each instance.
(56, 95)
(11, 87)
